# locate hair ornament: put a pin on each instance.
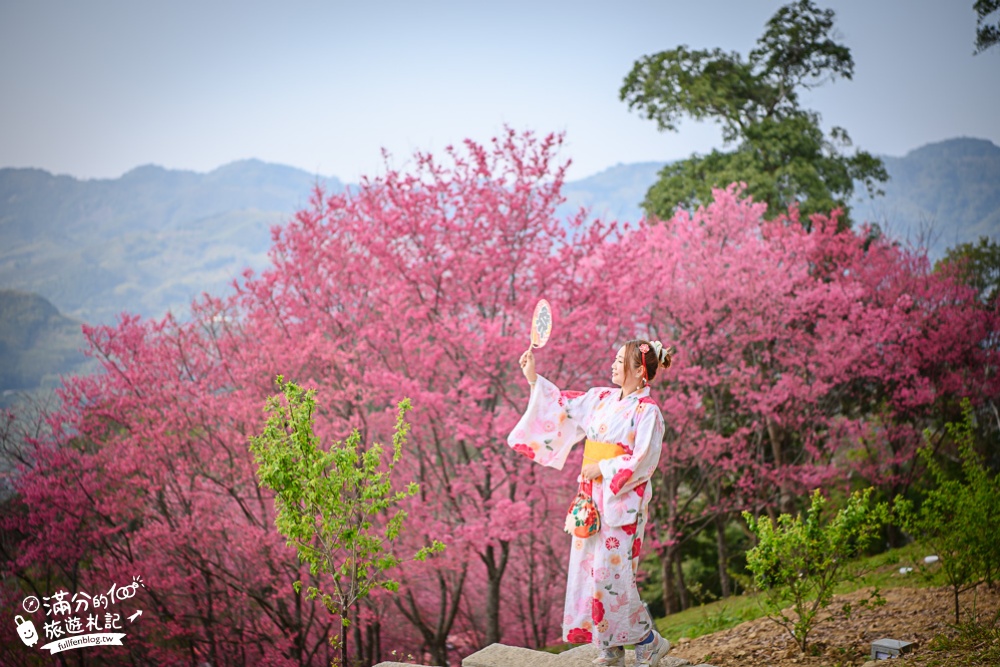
(663, 354)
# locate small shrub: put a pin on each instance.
(800, 560)
(959, 519)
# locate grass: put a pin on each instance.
(977, 643)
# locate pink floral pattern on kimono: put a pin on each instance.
(602, 606)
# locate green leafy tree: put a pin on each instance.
(977, 265)
(959, 518)
(780, 151)
(336, 507)
(987, 28)
(799, 561)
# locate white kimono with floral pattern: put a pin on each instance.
(602, 602)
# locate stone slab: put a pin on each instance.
(498, 655)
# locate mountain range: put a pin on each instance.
(153, 239)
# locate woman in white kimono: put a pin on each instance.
(624, 433)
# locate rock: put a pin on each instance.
(498, 655)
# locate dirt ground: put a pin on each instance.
(910, 614)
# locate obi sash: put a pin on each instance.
(595, 450)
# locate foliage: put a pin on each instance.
(977, 265)
(327, 502)
(782, 154)
(801, 560)
(987, 32)
(959, 519)
(806, 357)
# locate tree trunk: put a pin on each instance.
(894, 536)
(343, 645)
(669, 596)
(495, 568)
(359, 644)
(785, 501)
(723, 549)
(375, 642)
(435, 631)
(681, 586)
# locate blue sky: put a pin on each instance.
(94, 88)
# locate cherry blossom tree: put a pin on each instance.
(809, 357)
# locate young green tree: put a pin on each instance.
(780, 151)
(798, 561)
(959, 519)
(337, 506)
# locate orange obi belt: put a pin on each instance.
(595, 450)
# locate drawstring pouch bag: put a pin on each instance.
(582, 520)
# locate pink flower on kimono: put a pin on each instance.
(603, 626)
(579, 636)
(549, 426)
(628, 450)
(570, 394)
(620, 479)
(604, 394)
(647, 400)
(597, 611)
(640, 490)
(636, 545)
(631, 528)
(611, 543)
(525, 450)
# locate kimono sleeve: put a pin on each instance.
(554, 421)
(629, 472)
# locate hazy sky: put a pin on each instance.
(93, 88)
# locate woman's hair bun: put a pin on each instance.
(665, 355)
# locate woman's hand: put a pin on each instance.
(591, 470)
(528, 366)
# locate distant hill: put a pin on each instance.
(147, 242)
(37, 345)
(153, 239)
(613, 194)
(949, 189)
